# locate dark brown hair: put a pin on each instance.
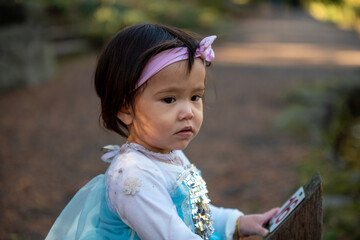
(123, 60)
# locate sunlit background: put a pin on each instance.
(283, 103)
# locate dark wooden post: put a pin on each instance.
(305, 222)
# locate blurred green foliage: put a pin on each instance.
(101, 19)
(326, 116)
(344, 13)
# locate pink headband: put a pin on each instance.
(170, 56)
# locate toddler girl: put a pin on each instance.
(151, 82)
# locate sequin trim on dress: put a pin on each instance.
(199, 200)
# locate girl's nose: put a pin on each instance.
(186, 111)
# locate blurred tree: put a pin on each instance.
(344, 13)
(12, 12)
(100, 19)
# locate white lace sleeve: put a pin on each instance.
(225, 220)
(140, 198)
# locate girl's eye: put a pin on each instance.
(169, 100)
(195, 98)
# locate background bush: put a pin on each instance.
(344, 13)
(326, 117)
(100, 19)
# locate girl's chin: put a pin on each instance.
(181, 146)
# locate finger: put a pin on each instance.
(264, 232)
(272, 212)
(269, 214)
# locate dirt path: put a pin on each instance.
(50, 137)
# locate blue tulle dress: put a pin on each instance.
(91, 214)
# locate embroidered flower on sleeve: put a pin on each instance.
(132, 185)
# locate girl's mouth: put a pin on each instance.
(185, 132)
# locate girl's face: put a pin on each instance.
(168, 114)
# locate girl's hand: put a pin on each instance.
(253, 224)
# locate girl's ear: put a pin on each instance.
(125, 115)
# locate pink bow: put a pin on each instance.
(205, 51)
